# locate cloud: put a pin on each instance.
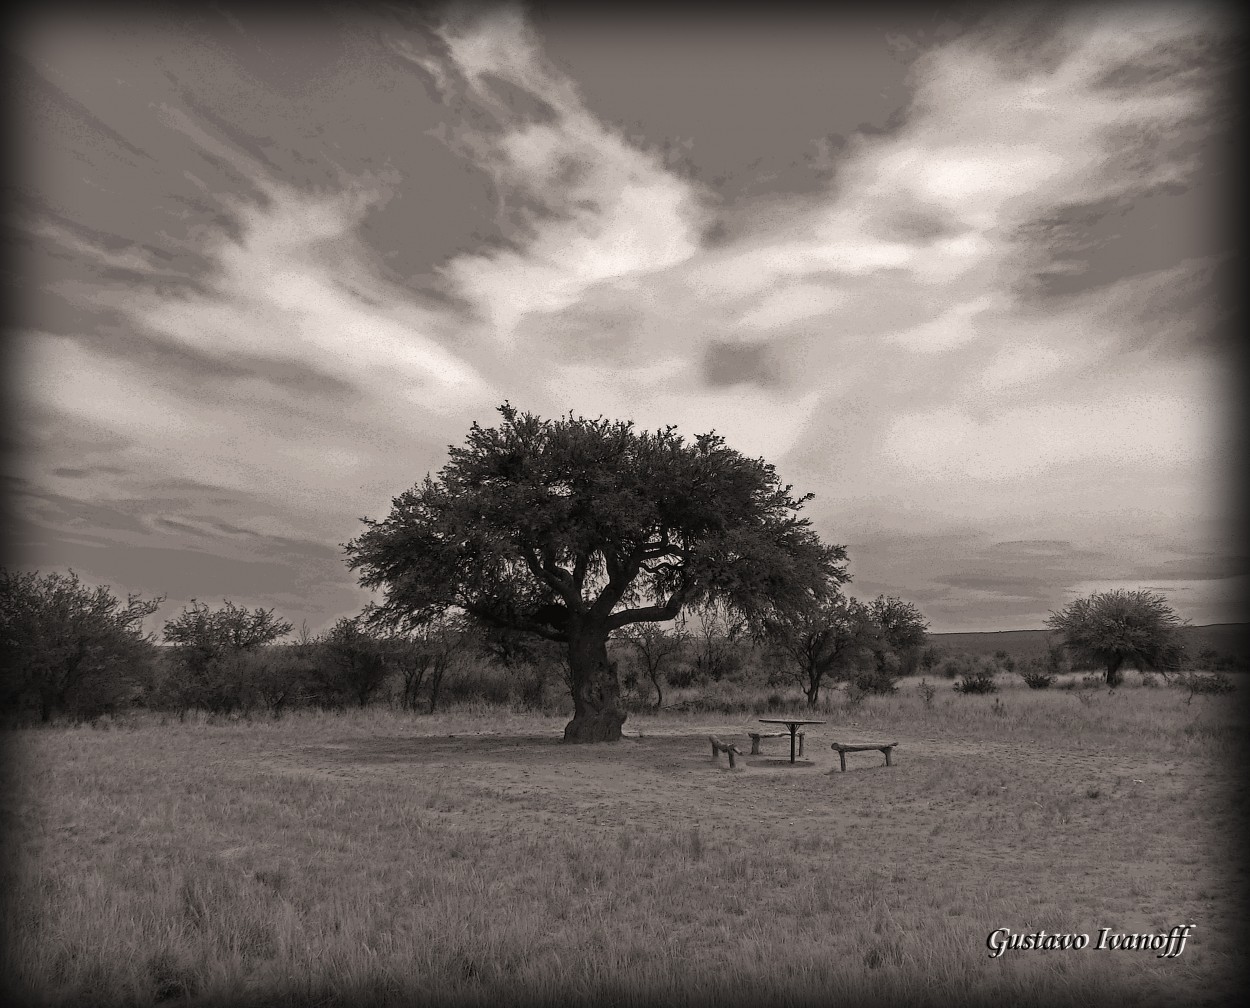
(604, 209)
(1170, 422)
(894, 338)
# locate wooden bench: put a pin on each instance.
(719, 747)
(757, 735)
(842, 750)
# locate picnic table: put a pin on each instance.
(792, 724)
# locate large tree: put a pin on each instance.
(1121, 627)
(572, 528)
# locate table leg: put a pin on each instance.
(793, 729)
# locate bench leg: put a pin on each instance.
(731, 758)
(714, 751)
(755, 745)
(887, 751)
(842, 759)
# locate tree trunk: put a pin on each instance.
(597, 716)
(436, 680)
(659, 693)
(1114, 675)
(412, 687)
(814, 677)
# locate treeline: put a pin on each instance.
(77, 651)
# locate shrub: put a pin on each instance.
(1208, 685)
(927, 692)
(1056, 658)
(880, 680)
(1149, 679)
(66, 647)
(489, 683)
(981, 681)
(1036, 679)
(854, 697)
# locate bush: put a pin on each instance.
(1035, 674)
(881, 680)
(682, 675)
(488, 683)
(981, 681)
(1208, 685)
(1056, 658)
(66, 647)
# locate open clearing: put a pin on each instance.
(469, 857)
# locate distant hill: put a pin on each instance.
(1232, 639)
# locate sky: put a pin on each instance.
(963, 275)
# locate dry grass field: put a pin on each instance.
(469, 858)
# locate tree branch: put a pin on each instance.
(549, 574)
(494, 619)
(650, 614)
(580, 566)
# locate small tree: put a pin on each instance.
(1120, 627)
(571, 529)
(216, 651)
(424, 653)
(832, 641)
(68, 648)
(281, 675)
(353, 664)
(657, 648)
(714, 642)
(901, 631)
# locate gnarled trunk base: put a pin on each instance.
(601, 726)
(597, 716)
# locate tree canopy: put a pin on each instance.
(1121, 627)
(572, 528)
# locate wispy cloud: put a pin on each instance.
(894, 340)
